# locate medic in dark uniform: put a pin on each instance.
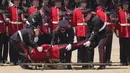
(64, 34)
(103, 15)
(99, 36)
(25, 38)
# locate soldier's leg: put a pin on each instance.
(11, 53)
(126, 51)
(101, 47)
(68, 58)
(22, 53)
(0, 48)
(62, 55)
(81, 50)
(5, 52)
(108, 49)
(121, 51)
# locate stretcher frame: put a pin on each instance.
(44, 65)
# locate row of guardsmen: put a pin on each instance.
(15, 17)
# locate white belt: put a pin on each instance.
(55, 22)
(125, 24)
(17, 23)
(107, 23)
(81, 24)
(1, 21)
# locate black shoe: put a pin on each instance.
(1, 63)
(124, 64)
(101, 67)
(69, 67)
(88, 67)
(25, 67)
(12, 64)
(5, 62)
(109, 62)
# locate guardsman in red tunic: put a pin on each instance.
(55, 14)
(33, 8)
(124, 33)
(14, 25)
(79, 22)
(15, 22)
(103, 15)
(3, 36)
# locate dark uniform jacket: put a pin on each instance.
(63, 38)
(34, 20)
(97, 24)
(28, 37)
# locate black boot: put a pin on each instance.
(102, 67)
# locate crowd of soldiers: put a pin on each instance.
(37, 22)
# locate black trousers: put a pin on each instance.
(82, 51)
(3, 47)
(124, 50)
(109, 47)
(65, 56)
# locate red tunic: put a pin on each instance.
(124, 27)
(16, 23)
(2, 25)
(79, 23)
(55, 14)
(102, 15)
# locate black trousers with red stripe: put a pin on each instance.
(18, 53)
(102, 49)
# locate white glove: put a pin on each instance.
(40, 49)
(36, 39)
(68, 47)
(46, 24)
(87, 44)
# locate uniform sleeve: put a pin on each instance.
(95, 31)
(73, 18)
(31, 20)
(71, 35)
(31, 41)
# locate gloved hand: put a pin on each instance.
(87, 44)
(40, 49)
(68, 47)
(36, 39)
